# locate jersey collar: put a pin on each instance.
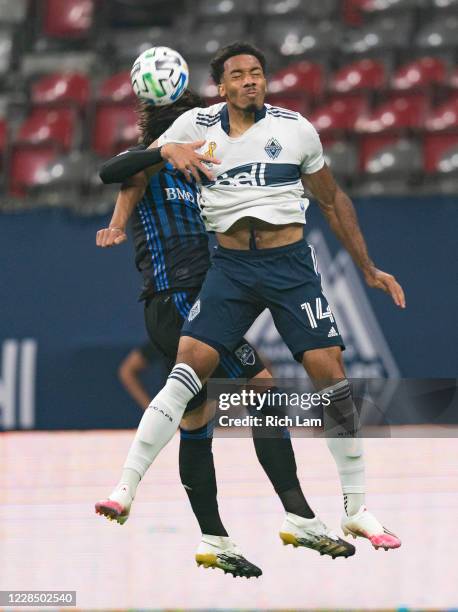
(258, 115)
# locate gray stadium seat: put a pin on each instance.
(384, 33)
(342, 158)
(298, 37)
(281, 7)
(222, 8)
(130, 43)
(320, 9)
(439, 33)
(209, 37)
(63, 61)
(448, 163)
(61, 181)
(13, 11)
(401, 159)
(445, 4)
(6, 50)
(379, 6)
(201, 82)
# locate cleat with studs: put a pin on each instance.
(363, 524)
(221, 553)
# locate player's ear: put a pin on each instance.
(222, 90)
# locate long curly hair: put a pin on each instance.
(155, 120)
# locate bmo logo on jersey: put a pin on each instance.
(174, 193)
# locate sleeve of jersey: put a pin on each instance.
(126, 164)
(184, 129)
(313, 159)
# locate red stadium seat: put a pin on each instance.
(444, 117)
(370, 145)
(56, 88)
(117, 88)
(294, 103)
(67, 18)
(453, 79)
(3, 135)
(402, 112)
(436, 147)
(26, 165)
(45, 126)
(365, 74)
(339, 113)
(115, 128)
(420, 73)
(302, 77)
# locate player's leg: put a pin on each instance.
(306, 323)
(197, 472)
(276, 455)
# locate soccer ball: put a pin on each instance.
(160, 76)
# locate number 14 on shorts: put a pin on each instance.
(318, 314)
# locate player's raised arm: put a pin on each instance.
(341, 216)
(129, 195)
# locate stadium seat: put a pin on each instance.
(114, 128)
(127, 44)
(67, 18)
(222, 8)
(342, 158)
(444, 117)
(116, 88)
(440, 153)
(419, 74)
(26, 166)
(445, 4)
(131, 13)
(296, 37)
(64, 171)
(61, 88)
(339, 113)
(49, 126)
(382, 6)
(281, 7)
(438, 34)
(292, 102)
(400, 113)
(303, 77)
(6, 50)
(453, 79)
(400, 158)
(13, 12)
(366, 74)
(320, 9)
(384, 33)
(209, 37)
(2, 135)
(201, 81)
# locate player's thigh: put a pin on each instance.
(163, 323)
(223, 311)
(301, 312)
(243, 362)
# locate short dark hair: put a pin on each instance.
(235, 48)
(155, 120)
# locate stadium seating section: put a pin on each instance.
(377, 78)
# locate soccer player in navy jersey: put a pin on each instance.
(171, 252)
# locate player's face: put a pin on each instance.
(243, 83)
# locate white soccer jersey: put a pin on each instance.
(260, 171)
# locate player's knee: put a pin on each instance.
(196, 418)
(201, 357)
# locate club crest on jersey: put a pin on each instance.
(246, 355)
(195, 310)
(273, 148)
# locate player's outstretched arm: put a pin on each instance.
(183, 157)
(130, 194)
(341, 216)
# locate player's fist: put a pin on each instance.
(110, 236)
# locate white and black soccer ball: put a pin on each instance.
(160, 76)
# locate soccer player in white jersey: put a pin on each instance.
(256, 206)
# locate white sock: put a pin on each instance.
(160, 421)
(347, 451)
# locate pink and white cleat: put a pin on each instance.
(363, 524)
(117, 506)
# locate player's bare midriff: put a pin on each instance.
(266, 236)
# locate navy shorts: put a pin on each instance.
(164, 316)
(241, 284)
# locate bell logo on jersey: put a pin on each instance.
(252, 175)
(195, 310)
(273, 148)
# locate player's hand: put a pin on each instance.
(386, 282)
(185, 159)
(110, 236)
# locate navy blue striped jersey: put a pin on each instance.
(171, 243)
